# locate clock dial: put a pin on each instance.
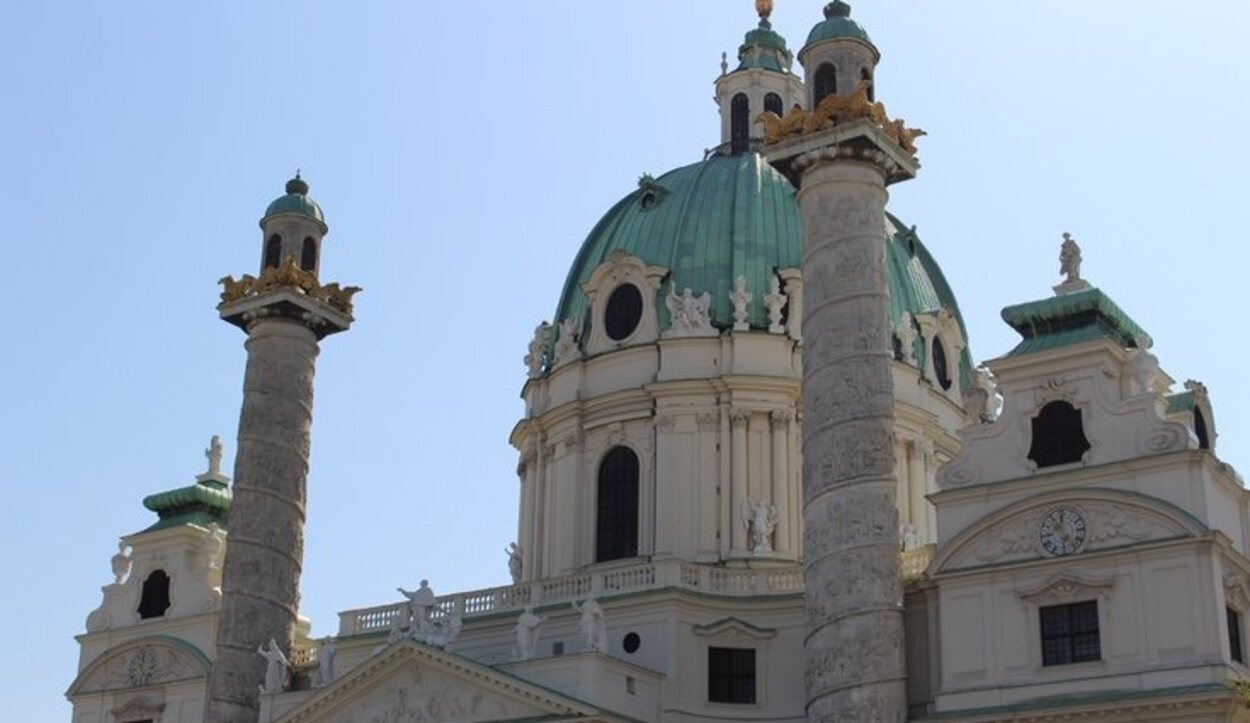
(1062, 531)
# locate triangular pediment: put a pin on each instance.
(411, 682)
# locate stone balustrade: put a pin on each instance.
(606, 584)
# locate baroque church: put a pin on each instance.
(761, 477)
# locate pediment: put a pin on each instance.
(155, 660)
(1111, 519)
(413, 682)
(733, 628)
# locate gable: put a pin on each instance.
(154, 660)
(411, 683)
(1112, 519)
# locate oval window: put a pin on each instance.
(623, 312)
(940, 367)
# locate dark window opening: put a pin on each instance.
(1200, 429)
(772, 104)
(557, 648)
(739, 123)
(731, 675)
(622, 312)
(1058, 435)
(154, 600)
(631, 643)
(1234, 635)
(941, 368)
(616, 519)
(825, 84)
(273, 251)
(308, 255)
(1070, 633)
(872, 91)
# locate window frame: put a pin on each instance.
(733, 678)
(1073, 637)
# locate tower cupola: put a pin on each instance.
(763, 80)
(293, 227)
(838, 56)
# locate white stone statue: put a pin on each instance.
(325, 661)
(566, 343)
(906, 334)
(213, 453)
(421, 603)
(1145, 364)
(1070, 259)
(277, 669)
(775, 301)
(443, 632)
(909, 535)
(538, 350)
(122, 562)
(740, 298)
(528, 629)
(762, 519)
(593, 626)
(981, 402)
(514, 561)
(213, 547)
(689, 315)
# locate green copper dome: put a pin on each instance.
(730, 216)
(764, 48)
(295, 201)
(837, 24)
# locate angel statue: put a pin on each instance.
(592, 625)
(528, 629)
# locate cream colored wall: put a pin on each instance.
(756, 83)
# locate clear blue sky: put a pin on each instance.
(461, 151)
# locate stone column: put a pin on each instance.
(285, 313)
(917, 488)
(781, 479)
(739, 544)
(854, 648)
(260, 577)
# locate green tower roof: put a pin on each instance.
(764, 48)
(838, 24)
(295, 201)
(1070, 319)
(730, 216)
(205, 502)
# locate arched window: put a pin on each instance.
(941, 368)
(273, 251)
(772, 103)
(739, 123)
(825, 84)
(154, 600)
(308, 254)
(1058, 435)
(872, 90)
(1200, 429)
(616, 518)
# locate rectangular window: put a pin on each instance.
(1070, 633)
(731, 675)
(1234, 635)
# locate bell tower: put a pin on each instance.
(762, 81)
(841, 155)
(285, 312)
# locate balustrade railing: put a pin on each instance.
(608, 583)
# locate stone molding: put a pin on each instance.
(735, 628)
(1113, 519)
(1067, 587)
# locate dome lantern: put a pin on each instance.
(292, 227)
(762, 81)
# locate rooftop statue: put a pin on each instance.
(213, 453)
(514, 561)
(121, 563)
(592, 625)
(1070, 259)
(277, 668)
(528, 627)
(325, 661)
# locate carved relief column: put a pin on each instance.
(854, 646)
(739, 545)
(781, 479)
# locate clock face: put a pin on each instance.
(1063, 531)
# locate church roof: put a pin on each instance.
(729, 216)
(205, 502)
(296, 201)
(837, 24)
(1070, 319)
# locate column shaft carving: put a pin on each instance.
(260, 576)
(854, 647)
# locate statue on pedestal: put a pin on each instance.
(762, 519)
(121, 562)
(277, 669)
(740, 298)
(421, 603)
(514, 562)
(528, 627)
(592, 625)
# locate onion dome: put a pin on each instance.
(296, 201)
(734, 215)
(838, 25)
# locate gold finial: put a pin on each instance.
(764, 8)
